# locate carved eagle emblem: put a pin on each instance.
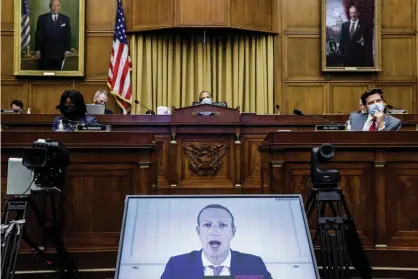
(207, 159)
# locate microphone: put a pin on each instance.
(392, 107)
(149, 111)
(301, 113)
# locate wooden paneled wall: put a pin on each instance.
(299, 81)
(42, 94)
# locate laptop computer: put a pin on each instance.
(163, 236)
(95, 109)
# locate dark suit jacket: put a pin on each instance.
(190, 266)
(53, 39)
(354, 54)
(357, 121)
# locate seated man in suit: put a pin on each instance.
(375, 119)
(73, 111)
(362, 108)
(215, 228)
(100, 98)
(17, 105)
(206, 98)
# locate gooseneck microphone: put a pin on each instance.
(150, 111)
(392, 107)
(301, 113)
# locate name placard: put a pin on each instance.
(331, 127)
(206, 113)
(93, 128)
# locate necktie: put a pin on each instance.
(373, 127)
(54, 18)
(352, 30)
(216, 270)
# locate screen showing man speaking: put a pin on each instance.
(178, 237)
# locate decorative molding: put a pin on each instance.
(205, 160)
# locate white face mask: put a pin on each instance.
(206, 101)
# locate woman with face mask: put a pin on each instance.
(73, 111)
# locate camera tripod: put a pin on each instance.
(338, 234)
(13, 229)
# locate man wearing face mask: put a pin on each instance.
(205, 98)
(375, 119)
(100, 98)
(73, 110)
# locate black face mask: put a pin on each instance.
(70, 113)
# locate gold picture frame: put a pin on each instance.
(68, 31)
(339, 35)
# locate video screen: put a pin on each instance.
(195, 237)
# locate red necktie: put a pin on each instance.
(373, 126)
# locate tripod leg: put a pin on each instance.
(309, 206)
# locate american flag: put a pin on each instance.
(25, 26)
(119, 79)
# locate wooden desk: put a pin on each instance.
(105, 167)
(379, 175)
(241, 134)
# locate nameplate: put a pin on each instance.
(350, 68)
(397, 111)
(93, 128)
(9, 111)
(205, 113)
(330, 128)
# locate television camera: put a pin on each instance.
(48, 160)
(339, 240)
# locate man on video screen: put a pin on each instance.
(215, 228)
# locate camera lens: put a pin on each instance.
(327, 151)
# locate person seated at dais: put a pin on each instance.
(101, 98)
(375, 119)
(73, 111)
(206, 98)
(16, 105)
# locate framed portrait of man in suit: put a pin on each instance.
(351, 38)
(49, 37)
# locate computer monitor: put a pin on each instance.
(258, 236)
(19, 178)
(95, 109)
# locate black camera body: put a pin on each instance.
(323, 178)
(48, 160)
